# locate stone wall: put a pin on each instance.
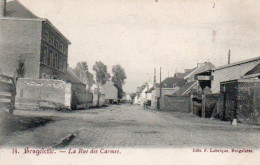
(240, 100)
(176, 103)
(41, 93)
(247, 112)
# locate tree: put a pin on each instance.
(102, 76)
(132, 95)
(90, 80)
(20, 70)
(82, 72)
(118, 79)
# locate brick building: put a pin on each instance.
(42, 47)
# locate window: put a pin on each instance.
(44, 55)
(64, 65)
(45, 36)
(51, 41)
(49, 58)
(56, 44)
(61, 48)
(61, 64)
(56, 61)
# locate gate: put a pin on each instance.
(7, 93)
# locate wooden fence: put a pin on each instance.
(7, 93)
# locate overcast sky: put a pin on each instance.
(144, 34)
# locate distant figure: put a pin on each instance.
(131, 102)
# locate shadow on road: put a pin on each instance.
(11, 123)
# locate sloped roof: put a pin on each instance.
(184, 89)
(170, 81)
(179, 75)
(17, 10)
(237, 63)
(201, 68)
(255, 70)
(189, 72)
(72, 78)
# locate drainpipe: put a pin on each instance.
(2, 8)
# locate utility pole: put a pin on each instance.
(229, 55)
(160, 82)
(158, 98)
(154, 78)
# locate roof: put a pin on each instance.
(71, 77)
(180, 75)
(170, 82)
(189, 72)
(16, 11)
(237, 63)
(255, 70)
(184, 89)
(200, 68)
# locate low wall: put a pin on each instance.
(101, 100)
(81, 99)
(176, 103)
(41, 93)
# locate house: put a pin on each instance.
(144, 96)
(41, 46)
(234, 71)
(235, 87)
(141, 94)
(81, 98)
(110, 92)
(155, 94)
(187, 82)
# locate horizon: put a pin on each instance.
(143, 35)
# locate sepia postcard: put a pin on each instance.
(129, 82)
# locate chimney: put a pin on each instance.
(229, 55)
(2, 8)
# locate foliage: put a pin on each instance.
(118, 79)
(82, 72)
(132, 95)
(20, 70)
(102, 75)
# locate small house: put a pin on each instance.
(110, 92)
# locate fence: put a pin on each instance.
(7, 93)
(176, 103)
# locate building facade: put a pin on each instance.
(40, 45)
(110, 91)
(234, 71)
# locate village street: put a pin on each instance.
(123, 126)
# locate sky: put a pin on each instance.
(141, 35)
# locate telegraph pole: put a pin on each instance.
(229, 55)
(160, 82)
